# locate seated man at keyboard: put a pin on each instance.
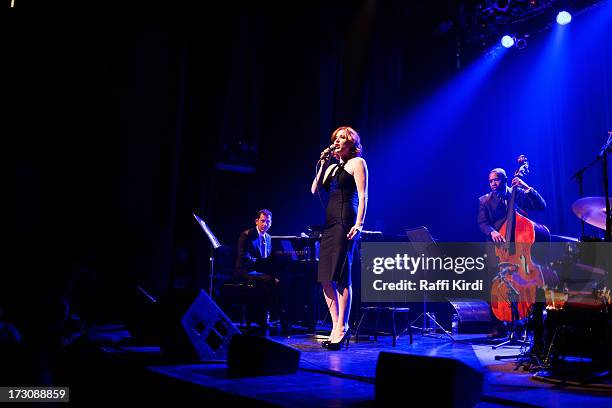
(254, 245)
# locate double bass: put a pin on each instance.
(513, 290)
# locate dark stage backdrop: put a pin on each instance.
(122, 121)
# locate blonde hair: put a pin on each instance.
(353, 136)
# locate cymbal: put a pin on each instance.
(591, 210)
(563, 238)
(591, 269)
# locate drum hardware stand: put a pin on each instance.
(551, 347)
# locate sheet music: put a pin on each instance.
(213, 240)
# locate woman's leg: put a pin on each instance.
(345, 295)
(331, 297)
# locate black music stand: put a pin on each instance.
(214, 242)
(423, 243)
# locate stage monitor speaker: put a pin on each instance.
(474, 315)
(442, 382)
(250, 356)
(193, 327)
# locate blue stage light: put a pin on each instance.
(507, 41)
(564, 18)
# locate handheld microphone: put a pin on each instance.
(327, 151)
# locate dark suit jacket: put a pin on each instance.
(248, 251)
(492, 211)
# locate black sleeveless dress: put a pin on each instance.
(336, 254)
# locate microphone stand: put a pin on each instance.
(604, 163)
(579, 176)
(603, 156)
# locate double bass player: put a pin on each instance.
(512, 293)
(493, 206)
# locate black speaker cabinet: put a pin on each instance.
(193, 327)
(443, 382)
(256, 356)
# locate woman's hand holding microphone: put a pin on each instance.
(326, 153)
